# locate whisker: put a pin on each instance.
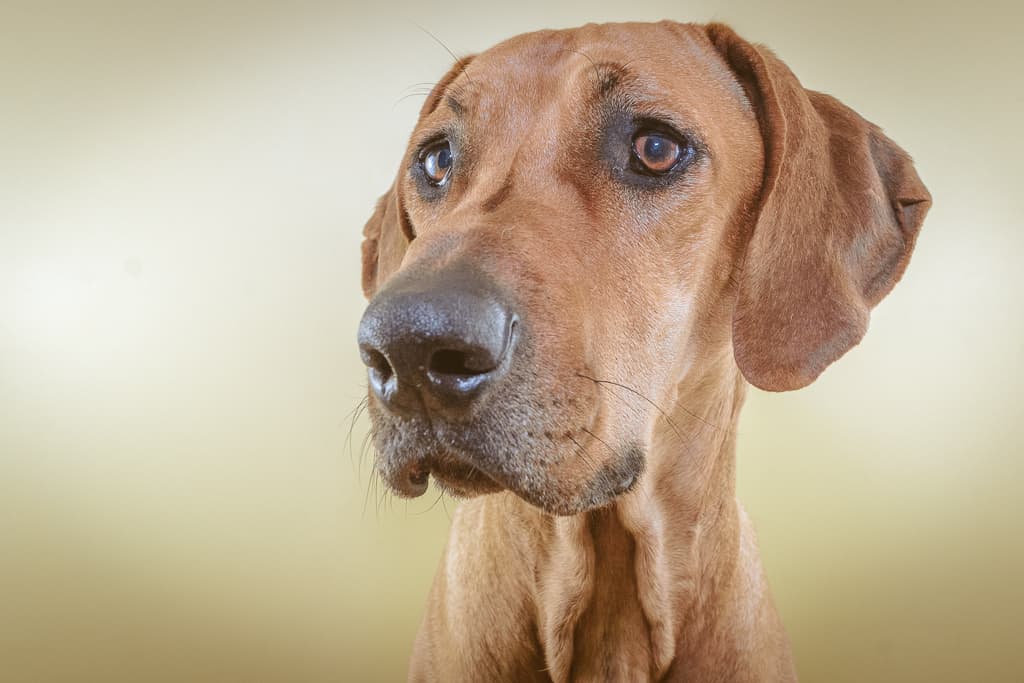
(382, 495)
(656, 406)
(459, 61)
(356, 413)
(366, 498)
(584, 454)
(366, 448)
(595, 436)
(405, 97)
(440, 495)
(421, 85)
(593, 64)
(634, 61)
(664, 414)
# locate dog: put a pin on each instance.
(597, 238)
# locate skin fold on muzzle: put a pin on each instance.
(596, 239)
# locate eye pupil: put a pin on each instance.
(437, 162)
(444, 158)
(655, 148)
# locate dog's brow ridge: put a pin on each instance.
(454, 104)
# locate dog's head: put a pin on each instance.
(598, 208)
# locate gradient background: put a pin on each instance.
(182, 190)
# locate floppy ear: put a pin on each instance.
(840, 209)
(387, 234)
(383, 242)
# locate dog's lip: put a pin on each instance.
(453, 473)
(415, 481)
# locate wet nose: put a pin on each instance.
(434, 343)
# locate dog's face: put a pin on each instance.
(564, 240)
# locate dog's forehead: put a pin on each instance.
(667, 62)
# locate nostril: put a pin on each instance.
(378, 362)
(451, 362)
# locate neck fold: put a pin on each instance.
(645, 569)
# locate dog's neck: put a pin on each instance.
(661, 566)
(664, 584)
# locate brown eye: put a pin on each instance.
(657, 153)
(436, 162)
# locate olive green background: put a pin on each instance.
(182, 188)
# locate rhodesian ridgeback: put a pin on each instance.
(596, 239)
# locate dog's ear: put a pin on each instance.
(388, 232)
(840, 210)
(382, 235)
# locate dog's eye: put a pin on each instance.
(656, 152)
(436, 162)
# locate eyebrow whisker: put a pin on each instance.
(593, 64)
(461, 62)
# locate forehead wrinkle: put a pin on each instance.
(623, 89)
(454, 104)
(608, 77)
(460, 94)
(618, 84)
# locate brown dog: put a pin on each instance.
(597, 237)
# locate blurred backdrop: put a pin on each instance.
(182, 495)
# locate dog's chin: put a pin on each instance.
(617, 478)
(456, 476)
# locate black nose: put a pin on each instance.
(435, 342)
